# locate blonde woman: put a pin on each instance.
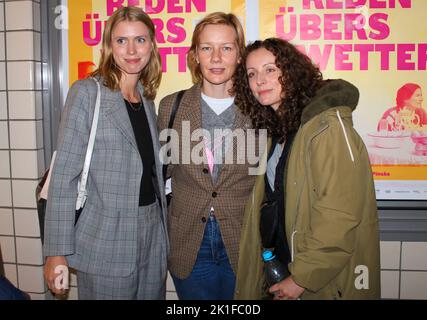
(206, 212)
(119, 244)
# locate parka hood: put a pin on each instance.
(333, 93)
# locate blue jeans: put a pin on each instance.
(9, 292)
(212, 277)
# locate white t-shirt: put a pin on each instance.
(218, 105)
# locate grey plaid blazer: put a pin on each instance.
(104, 240)
(194, 193)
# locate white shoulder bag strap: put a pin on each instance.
(82, 194)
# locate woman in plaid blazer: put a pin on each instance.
(209, 196)
(119, 244)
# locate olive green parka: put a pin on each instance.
(331, 218)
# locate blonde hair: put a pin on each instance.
(216, 18)
(151, 74)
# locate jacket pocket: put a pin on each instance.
(105, 237)
(328, 292)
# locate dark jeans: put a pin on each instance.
(212, 277)
(9, 292)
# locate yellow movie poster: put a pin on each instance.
(381, 47)
(174, 21)
(378, 45)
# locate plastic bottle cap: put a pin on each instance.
(267, 255)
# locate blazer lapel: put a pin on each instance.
(192, 112)
(151, 117)
(152, 123)
(118, 115)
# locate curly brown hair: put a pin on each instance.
(300, 80)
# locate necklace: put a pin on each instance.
(131, 105)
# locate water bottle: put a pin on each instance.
(274, 270)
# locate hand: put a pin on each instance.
(50, 275)
(286, 290)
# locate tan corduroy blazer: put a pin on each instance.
(194, 192)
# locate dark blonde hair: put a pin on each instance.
(216, 18)
(151, 74)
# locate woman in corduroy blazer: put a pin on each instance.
(119, 244)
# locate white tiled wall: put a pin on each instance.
(73, 279)
(4, 135)
(29, 251)
(26, 223)
(404, 270)
(3, 106)
(23, 192)
(31, 278)
(1, 16)
(21, 144)
(37, 296)
(6, 222)
(23, 77)
(11, 273)
(390, 284)
(390, 265)
(22, 45)
(25, 164)
(8, 249)
(19, 138)
(2, 46)
(390, 255)
(413, 285)
(412, 257)
(5, 194)
(170, 289)
(25, 105)
(72, 294)
(23, 10)
(4, 164)
(2, 76)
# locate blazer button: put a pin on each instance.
(205, 171)
(214, 194)
(203, 219)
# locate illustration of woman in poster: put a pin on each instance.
(408, 114)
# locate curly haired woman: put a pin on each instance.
(319, 174)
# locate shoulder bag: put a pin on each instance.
(43, 186)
